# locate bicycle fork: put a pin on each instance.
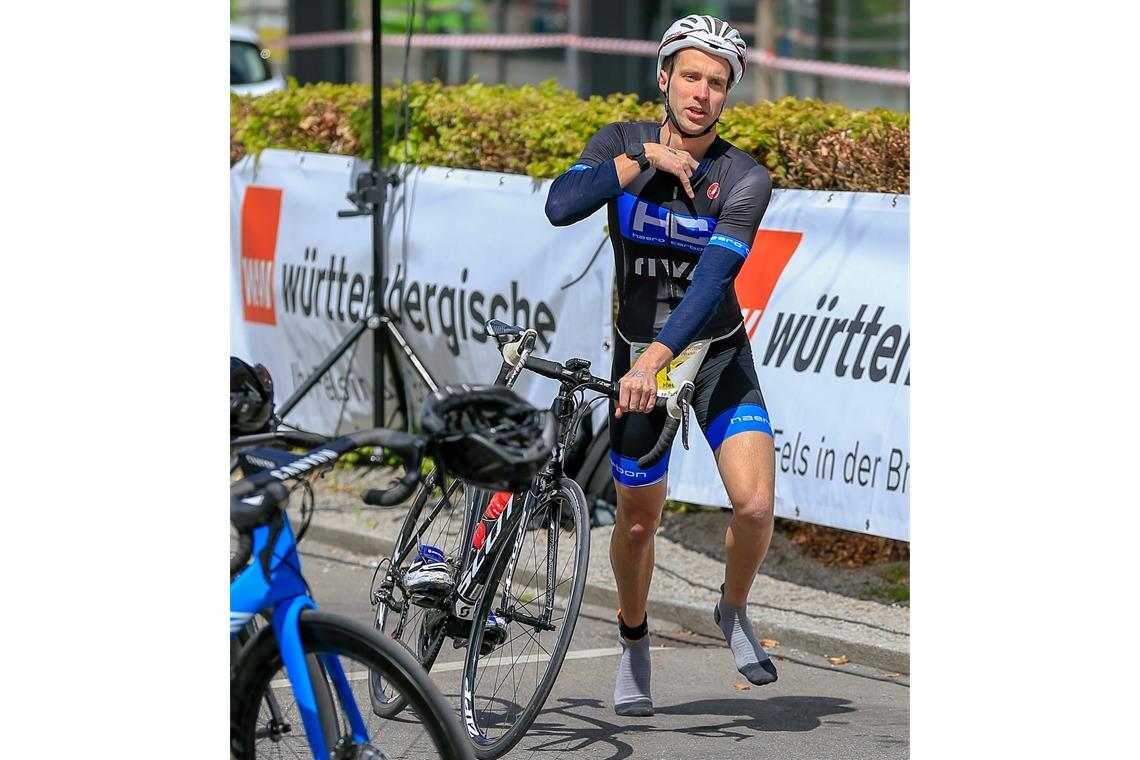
(286, 627)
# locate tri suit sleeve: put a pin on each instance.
(590, 182)
(721, 259)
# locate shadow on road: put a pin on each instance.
(746, 717)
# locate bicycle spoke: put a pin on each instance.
(509, 672)
(511, 684)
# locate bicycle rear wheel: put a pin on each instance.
(508, 675)
(435, 732)
(417, 625)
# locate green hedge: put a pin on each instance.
(540, 131)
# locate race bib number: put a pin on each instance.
(690, 359)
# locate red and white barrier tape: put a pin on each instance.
(612, 45)
(321, 39)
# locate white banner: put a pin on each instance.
(825, 296)
(461, 247)
(468, 246)
(301, 279)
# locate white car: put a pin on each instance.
(250, 72)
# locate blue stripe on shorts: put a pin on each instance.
(737, 419)
(629, 474)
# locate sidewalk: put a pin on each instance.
(685, 584)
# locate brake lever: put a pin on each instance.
(678, 406)
(515, 354)
(684, 424)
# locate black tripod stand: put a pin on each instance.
(389, 345)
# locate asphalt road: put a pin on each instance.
(816, 710)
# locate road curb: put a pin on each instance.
(697, 618)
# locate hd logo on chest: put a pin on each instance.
(645, 222)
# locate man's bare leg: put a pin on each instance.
(631, 545)
(631, 557)
(747, 465)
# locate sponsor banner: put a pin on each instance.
(468, 246)
(461, 247)
(825, 297)
(824, 294)
(301, 278)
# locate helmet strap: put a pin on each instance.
(672, 119)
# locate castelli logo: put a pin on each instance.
(714, 190)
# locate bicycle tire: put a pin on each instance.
(478, 706)
(422, 640)
(280, 711)
(323, 633)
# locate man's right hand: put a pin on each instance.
(675, 161)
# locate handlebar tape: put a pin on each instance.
(665, 441)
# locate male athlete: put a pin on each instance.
(684, 206)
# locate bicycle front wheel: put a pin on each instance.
(360, 650)
(278, 714)
(512, 662)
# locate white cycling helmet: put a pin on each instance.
(709, 34)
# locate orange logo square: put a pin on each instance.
(260, 218)
(771, 252)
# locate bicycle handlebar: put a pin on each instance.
(676, 405)
(250, 510)
(411, 450)
(244, 551)
(255, 500)
(290, 437)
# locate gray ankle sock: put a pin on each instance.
(751, 659)
(631, 692)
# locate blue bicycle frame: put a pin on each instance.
(286, 592)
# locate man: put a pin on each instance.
(684, 206)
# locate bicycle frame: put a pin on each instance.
(284, 589)
(476, 562)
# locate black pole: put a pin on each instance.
(325, 365)
(377, 218)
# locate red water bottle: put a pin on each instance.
(494, 509)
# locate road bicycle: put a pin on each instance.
(252, 409)
(255, 420)
(279, 659)
(513, 600)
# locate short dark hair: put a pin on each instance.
(667, 64)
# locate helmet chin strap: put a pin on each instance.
(673, 119)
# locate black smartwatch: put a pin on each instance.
(636, 152)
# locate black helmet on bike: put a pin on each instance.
(487, 435)
(251, 398)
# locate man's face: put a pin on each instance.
(698, 87)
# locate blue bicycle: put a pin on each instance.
(326, 658)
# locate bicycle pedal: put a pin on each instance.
(429, 579)
(494, 634)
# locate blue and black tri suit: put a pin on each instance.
(675, 261)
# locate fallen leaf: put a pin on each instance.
(769, 643)
(840, 660)
(742, 686)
